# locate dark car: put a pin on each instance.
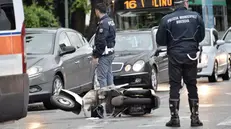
(138, 60)
(57, 58)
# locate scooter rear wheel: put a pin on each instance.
(63, 102)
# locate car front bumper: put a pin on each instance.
(40, 89)
(205, 72)
(138, 79)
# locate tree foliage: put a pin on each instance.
(80, 4)
(36, 16)
(43, 13)
(46, 4)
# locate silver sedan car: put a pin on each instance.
(215, 60)
(227, 39)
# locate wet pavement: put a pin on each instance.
(215, 105)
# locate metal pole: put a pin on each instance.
(66, 13)
(207, 8)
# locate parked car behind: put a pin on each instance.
(138, 61)
(227, 39)
(215, 60)
(57, 58)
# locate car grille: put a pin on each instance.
(117, 66)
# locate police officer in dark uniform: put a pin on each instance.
(182, 31)
(103, 52)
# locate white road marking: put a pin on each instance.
(226, 122)
(90, 126)
(213, 105)
(228, 93)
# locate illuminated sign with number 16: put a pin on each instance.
(142, 4)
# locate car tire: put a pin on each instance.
(153, 79)
(214, 76)
(227, 74)
(47, 103)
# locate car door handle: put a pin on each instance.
(77, 62)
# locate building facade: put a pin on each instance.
(218, 15)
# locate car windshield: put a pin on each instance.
(207, 39)
(133, 42)
(228, 37)
(39, 43)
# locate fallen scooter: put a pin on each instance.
(127, 101)
(124, 100)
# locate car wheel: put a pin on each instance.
(154, 81)
(227, 74)
(214, 76)
(56, 87)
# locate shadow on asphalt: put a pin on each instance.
(36, 107)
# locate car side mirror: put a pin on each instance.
(220, 42)
(67, 50)
(159, 50)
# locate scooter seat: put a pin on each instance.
(144, 93)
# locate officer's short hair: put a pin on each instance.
(101, 7)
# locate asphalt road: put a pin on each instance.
(214, 111)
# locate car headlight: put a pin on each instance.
(138, 65)
(34, 71)
(204, 58)
(127, 67)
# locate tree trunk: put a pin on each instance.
(78, 20)
(27, 2)
(60, 12)
(228, 4)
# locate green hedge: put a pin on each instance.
(36, 16)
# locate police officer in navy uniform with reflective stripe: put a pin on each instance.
(182, 31)
(103, 52)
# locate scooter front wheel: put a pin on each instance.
(63, 102)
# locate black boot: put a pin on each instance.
(194, 105)
(174, 108)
